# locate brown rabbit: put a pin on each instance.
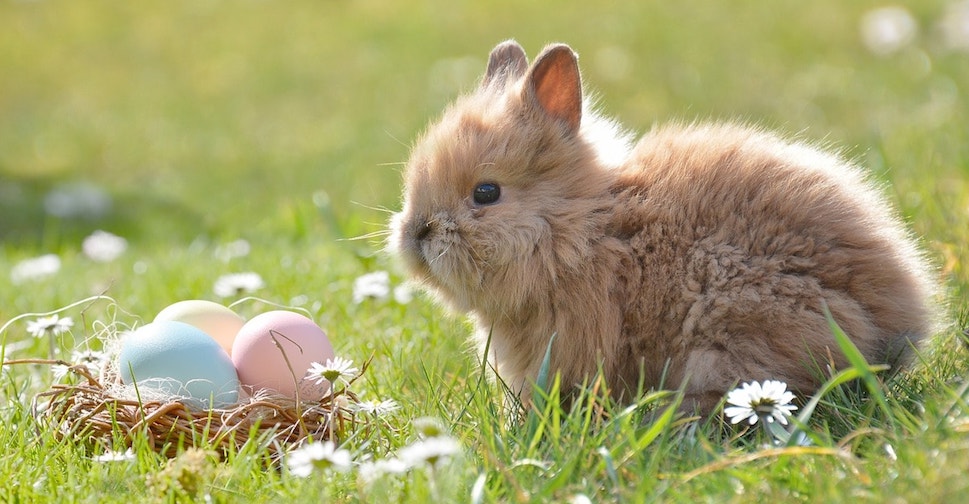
(701, 256)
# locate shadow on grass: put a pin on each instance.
(52, 213)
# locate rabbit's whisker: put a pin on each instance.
(445, 251)
(366, 236)
(374, 208)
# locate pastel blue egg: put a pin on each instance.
(179, 360)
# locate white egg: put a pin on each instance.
(219, 322)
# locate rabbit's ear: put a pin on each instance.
(555, 85)
(507, 61)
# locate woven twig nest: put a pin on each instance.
(90, 410)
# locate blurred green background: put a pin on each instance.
(285, 123)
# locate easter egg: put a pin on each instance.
(177, 359)
(274, 350)
(213, 319)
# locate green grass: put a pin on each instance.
(285, 124)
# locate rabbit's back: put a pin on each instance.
(741, 238)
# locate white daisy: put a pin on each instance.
(102, 246)
(113, 456)
(886, 30)
(403, 294)
(52, 325)
(236, 284)
(755, 401)
(890, 451)
(335, 369)
(35, 268)
(233, 250)
(370, 471)
(311, 456)
(77, 200)
(93, 359)
(954, 25)
(431, 451)
(428, 427)
(374, 285)
(59, 371)
(377, 408)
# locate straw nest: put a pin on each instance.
(92, 410)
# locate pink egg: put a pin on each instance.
(274, 350)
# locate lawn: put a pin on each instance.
(220, 138)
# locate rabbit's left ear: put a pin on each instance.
(554, 84)
(507, 61)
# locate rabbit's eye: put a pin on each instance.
(486, 193)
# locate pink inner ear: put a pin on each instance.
(558, 87)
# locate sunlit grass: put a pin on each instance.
(203, 123)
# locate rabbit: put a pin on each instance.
(699, 257)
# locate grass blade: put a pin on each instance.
(540, 396)
(858, 362)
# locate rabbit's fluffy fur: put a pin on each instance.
(700, 257)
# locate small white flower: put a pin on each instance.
(233, 250)
(374, 285)
(113, 456)
(341, 401)
(955, 26)
(428, 427)
(93, 359)
(753, 401)
(371, 471)
(377, 408)
(77, 200)
(890, 451)
(59, 371)
(235, 284)
(311, 456)
(53, 325)
(335, 369)
(102, 246)
(431, 451)
(886, 30)
(403, 294)
(580, 499)
(35, 268)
